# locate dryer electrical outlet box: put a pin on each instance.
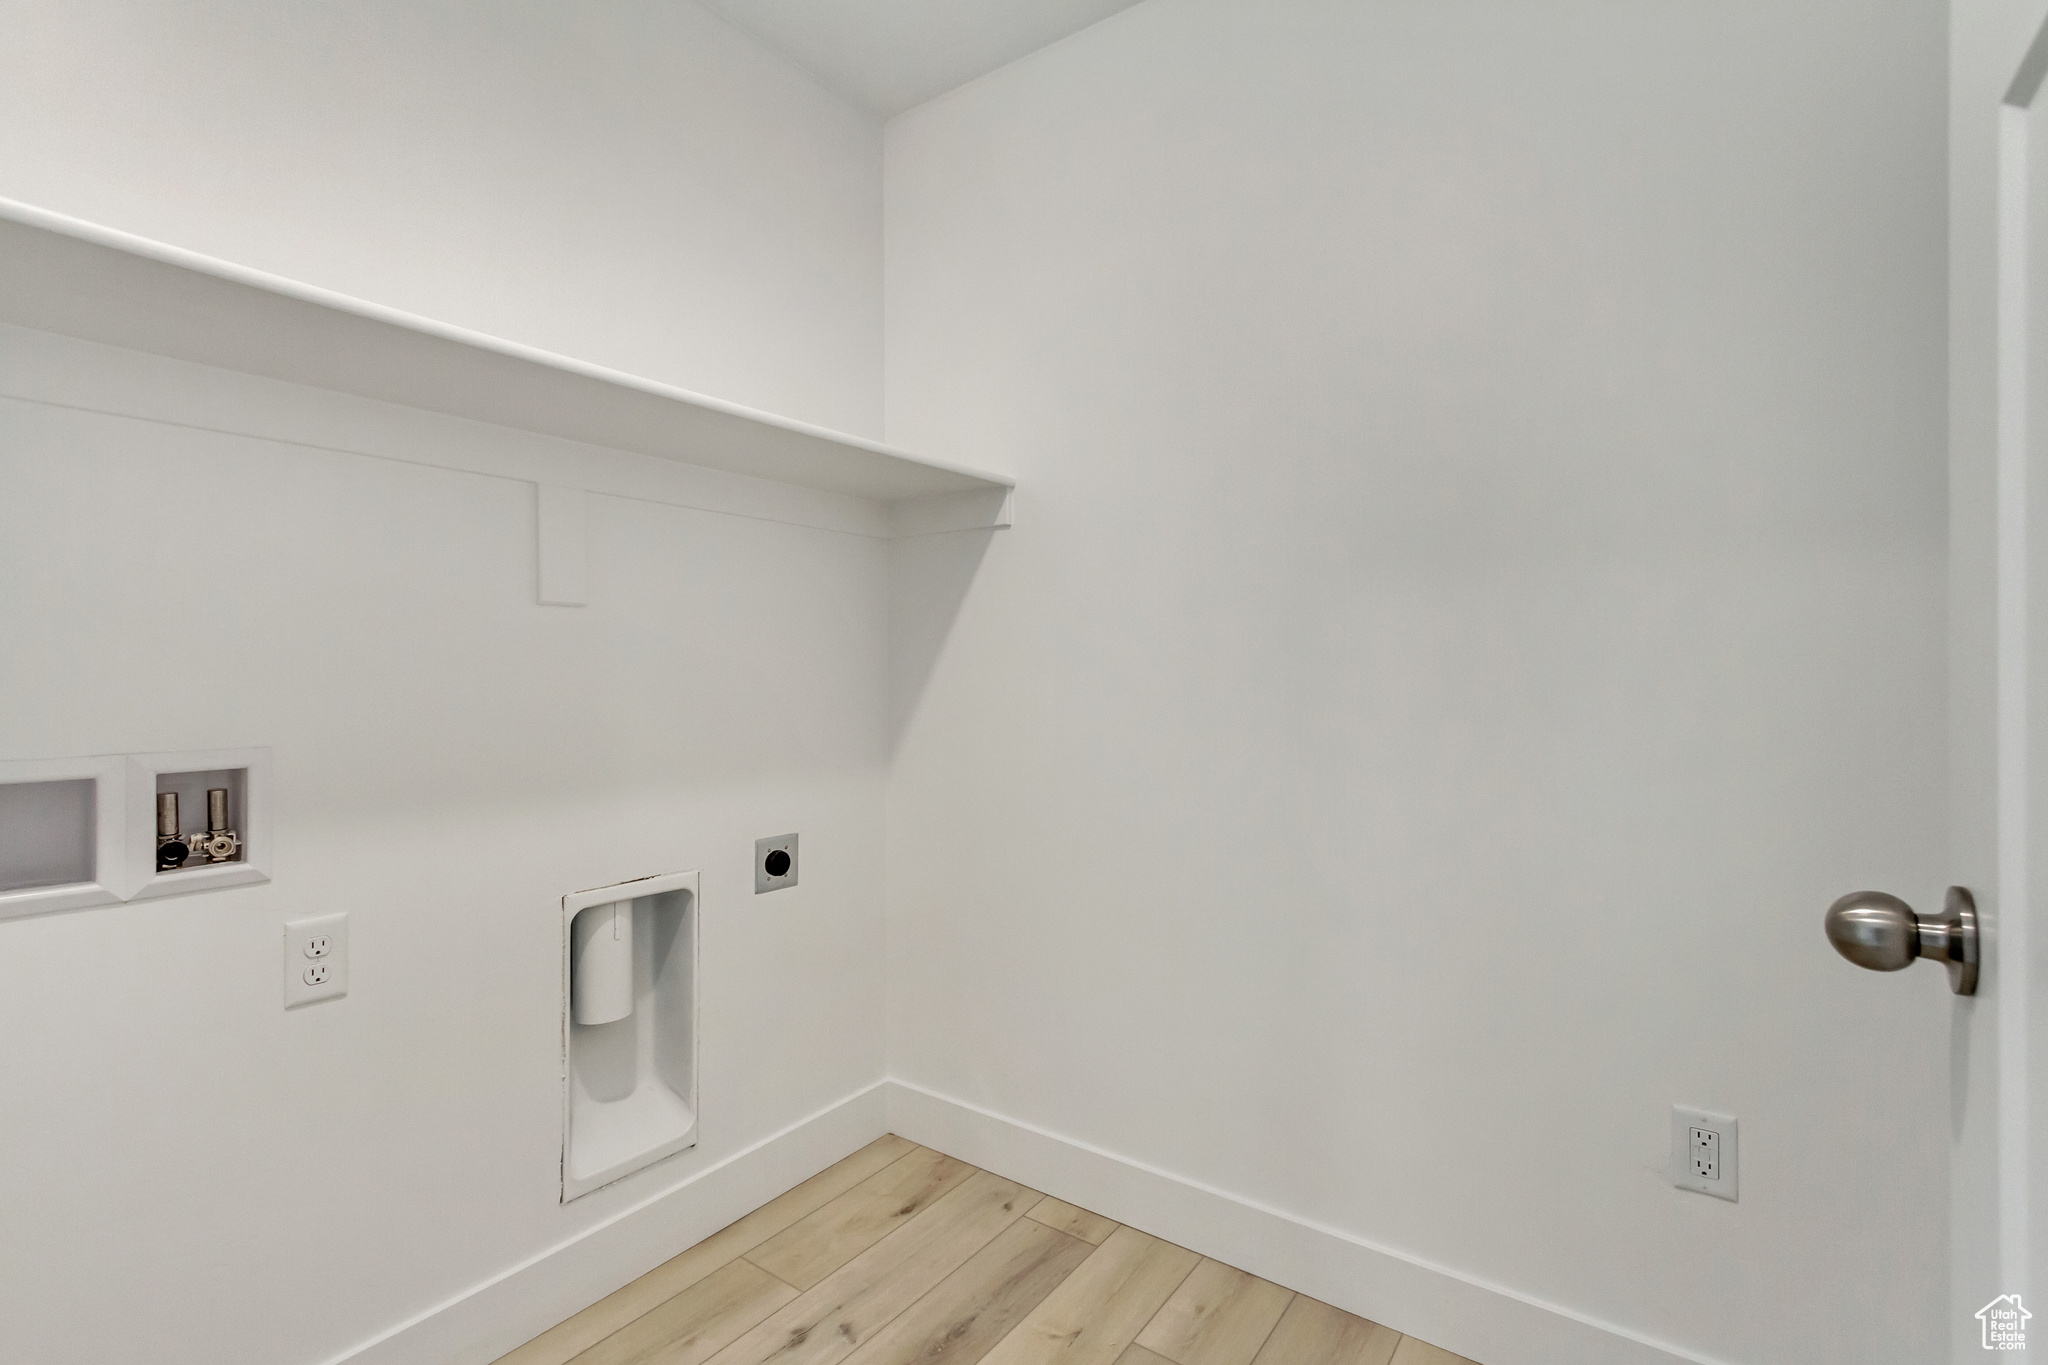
(774, 863)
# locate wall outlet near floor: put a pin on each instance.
(774, 863)
(1703, 1152)
(315, 960)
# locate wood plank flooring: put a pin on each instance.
(899, 1255)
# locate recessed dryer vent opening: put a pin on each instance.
(629, 1028)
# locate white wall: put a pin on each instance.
(1478, 595)
(192, 1174)
(634, 183)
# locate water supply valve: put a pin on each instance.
(219, 844)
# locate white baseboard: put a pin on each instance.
(483, 1323)
(1485, 1322)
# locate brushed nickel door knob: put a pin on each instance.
(1876, 930)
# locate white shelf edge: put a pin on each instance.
(51, 371)
(128, 244)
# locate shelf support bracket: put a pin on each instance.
(973, 510)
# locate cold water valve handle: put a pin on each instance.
(1876, 930)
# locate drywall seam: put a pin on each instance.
(485, 1321)
(1434, 1303)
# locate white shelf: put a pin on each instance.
(58, 274)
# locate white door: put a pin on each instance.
(1998, 689)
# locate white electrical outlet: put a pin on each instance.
(1703, 1152)
(1706, 1152)
(315, 960)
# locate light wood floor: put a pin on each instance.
(901, 1256)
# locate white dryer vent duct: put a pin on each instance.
(601, 964)
(629, 1027)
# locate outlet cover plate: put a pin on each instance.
(1683, 1121)
(763, 848)
(310, 945)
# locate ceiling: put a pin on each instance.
(892, 54)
